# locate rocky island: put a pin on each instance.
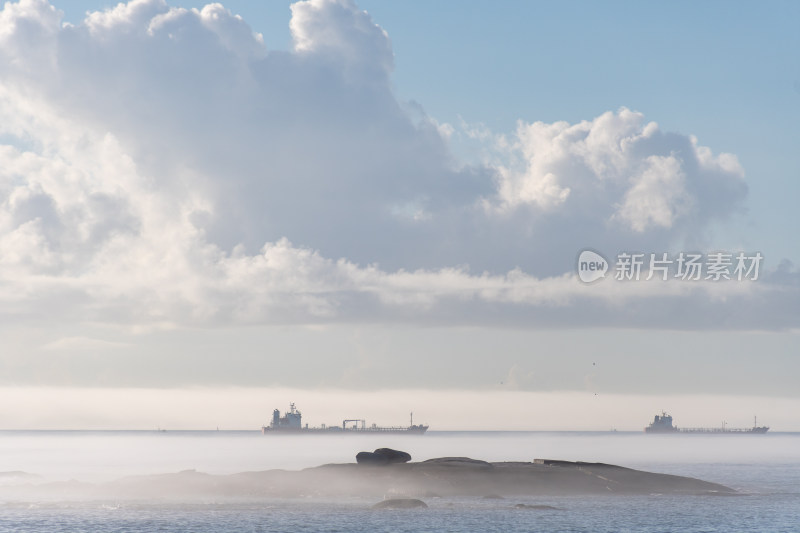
(387, 473)
(462, 476)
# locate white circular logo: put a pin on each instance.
(591, 266)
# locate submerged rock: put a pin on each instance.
(537, 507)
(401, 503)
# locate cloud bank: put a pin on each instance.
(160, 166)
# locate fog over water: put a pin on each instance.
(105, 456)
(77, 481)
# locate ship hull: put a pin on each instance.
(709, 431)
(416, 430)
(721, 431)
(660, 430)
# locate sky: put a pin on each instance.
(373, 208)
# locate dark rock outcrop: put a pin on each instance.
(394, 456)
(382, 456)
(401, 503)
(371, 458)
(463, 476)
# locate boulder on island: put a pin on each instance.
(382, 456)
(370, 458)
(394, 456)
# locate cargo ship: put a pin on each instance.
(663, 424)
(292, 423)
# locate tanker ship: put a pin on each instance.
(292, 423)
(663, 424)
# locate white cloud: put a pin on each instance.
(156, 165)
(618, 169)
(658, 197)
(342, 34)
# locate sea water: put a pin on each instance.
(765, 469)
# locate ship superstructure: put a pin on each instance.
(661, 424)
(292, 422)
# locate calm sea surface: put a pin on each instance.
(764, 468)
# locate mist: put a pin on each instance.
(96, 457)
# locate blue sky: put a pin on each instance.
(185, 203)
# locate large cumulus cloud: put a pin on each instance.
(646, 178)
(160, 165)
